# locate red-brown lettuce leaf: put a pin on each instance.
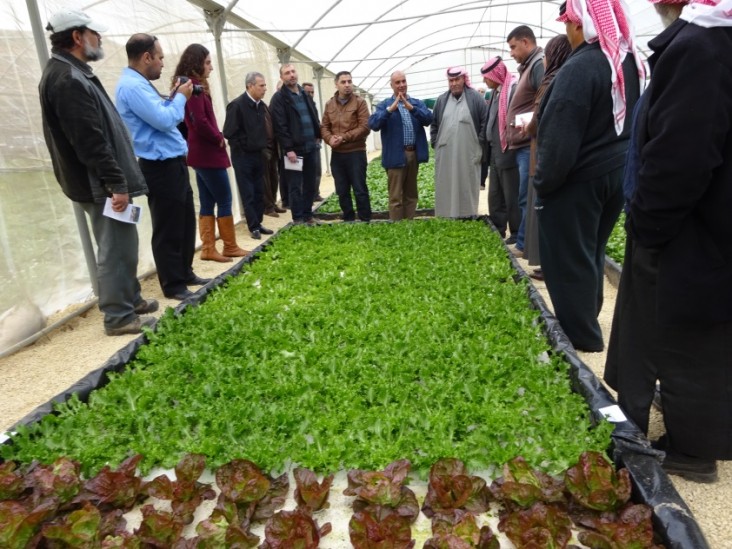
(18, 524)
(118, 489)
(594, 483)
(241, 481)
(293, 529)
(309, 493)
(523, 486)
(12, 484)
(542, 525)
(459, 530)
(383, 530)
(158, 528)
(451, 488)
(630, 527)
(80, 528)
(185, 492)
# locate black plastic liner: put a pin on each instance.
(672, 518)
(612, 271)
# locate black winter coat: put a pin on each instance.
(245, 125)
(90, 145)
(683, 201)
(286, 120)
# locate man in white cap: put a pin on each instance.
(94, 162)
(673, 317)
(581, 147)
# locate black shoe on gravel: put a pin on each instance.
(691, 468)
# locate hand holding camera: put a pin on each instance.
(186, 87)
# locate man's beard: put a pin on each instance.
(92, 53)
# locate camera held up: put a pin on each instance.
(197, 88)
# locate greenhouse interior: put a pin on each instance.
(54, 356)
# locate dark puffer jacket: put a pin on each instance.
(89, 144)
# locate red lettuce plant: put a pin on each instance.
(459, 530)
(628, 528)
(293, 529)
(11, 481)
(247, 494)
(523, 486)
(309, 493)
(451, 488)
(376, 489)
(185, 492)
(18, 524)
(380, 528)
(158, 528)
(118, 489)
(541, 525)
(594, 483)
(216, 533)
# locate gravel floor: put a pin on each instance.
(32, 376)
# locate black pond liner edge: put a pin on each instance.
(672, 518)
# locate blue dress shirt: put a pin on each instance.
(151, 119)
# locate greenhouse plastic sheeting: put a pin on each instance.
(42, 259)
(629, 448)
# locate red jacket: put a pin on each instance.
(204, 136)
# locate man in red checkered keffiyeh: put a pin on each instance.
(606, 21)
(495, 71)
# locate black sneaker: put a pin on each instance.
(511, 240)
(265, 230)
(687, 467)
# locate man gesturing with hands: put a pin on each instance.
(400, 118)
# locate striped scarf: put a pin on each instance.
(606, 21)
(495, 70)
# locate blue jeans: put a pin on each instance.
(522, 159)
(301, 187)
(214, 189)
(349, 171)
(249, 171)
(119, 289)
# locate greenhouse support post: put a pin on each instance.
(84, 234)
(318, 74)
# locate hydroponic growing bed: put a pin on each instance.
(350, 346)
(377, 182)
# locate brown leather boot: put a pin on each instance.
(228, 236)
(207, 229)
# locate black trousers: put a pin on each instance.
(692, 362)
(503, 206)
(173, 221)
(249, 171)
(575, 223)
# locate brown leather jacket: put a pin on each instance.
(350, 121)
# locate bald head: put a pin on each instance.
(399, 83)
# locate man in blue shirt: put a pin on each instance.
(152, 120)
(400, 119)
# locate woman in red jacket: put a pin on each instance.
(207, 156)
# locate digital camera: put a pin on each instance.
(197, 88)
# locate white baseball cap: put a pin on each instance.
(73, 19)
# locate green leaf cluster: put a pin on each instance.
(342, 346)
(615, 248)
(377, 182)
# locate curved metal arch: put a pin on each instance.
(359, 33)
(464, 24)
(318, 20)
(424, 58)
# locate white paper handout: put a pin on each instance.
(523, 119)
(131, 214)
(296, 165)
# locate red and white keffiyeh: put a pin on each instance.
(459, 71)
(607, 21)
(495, 70)
(708, 13)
